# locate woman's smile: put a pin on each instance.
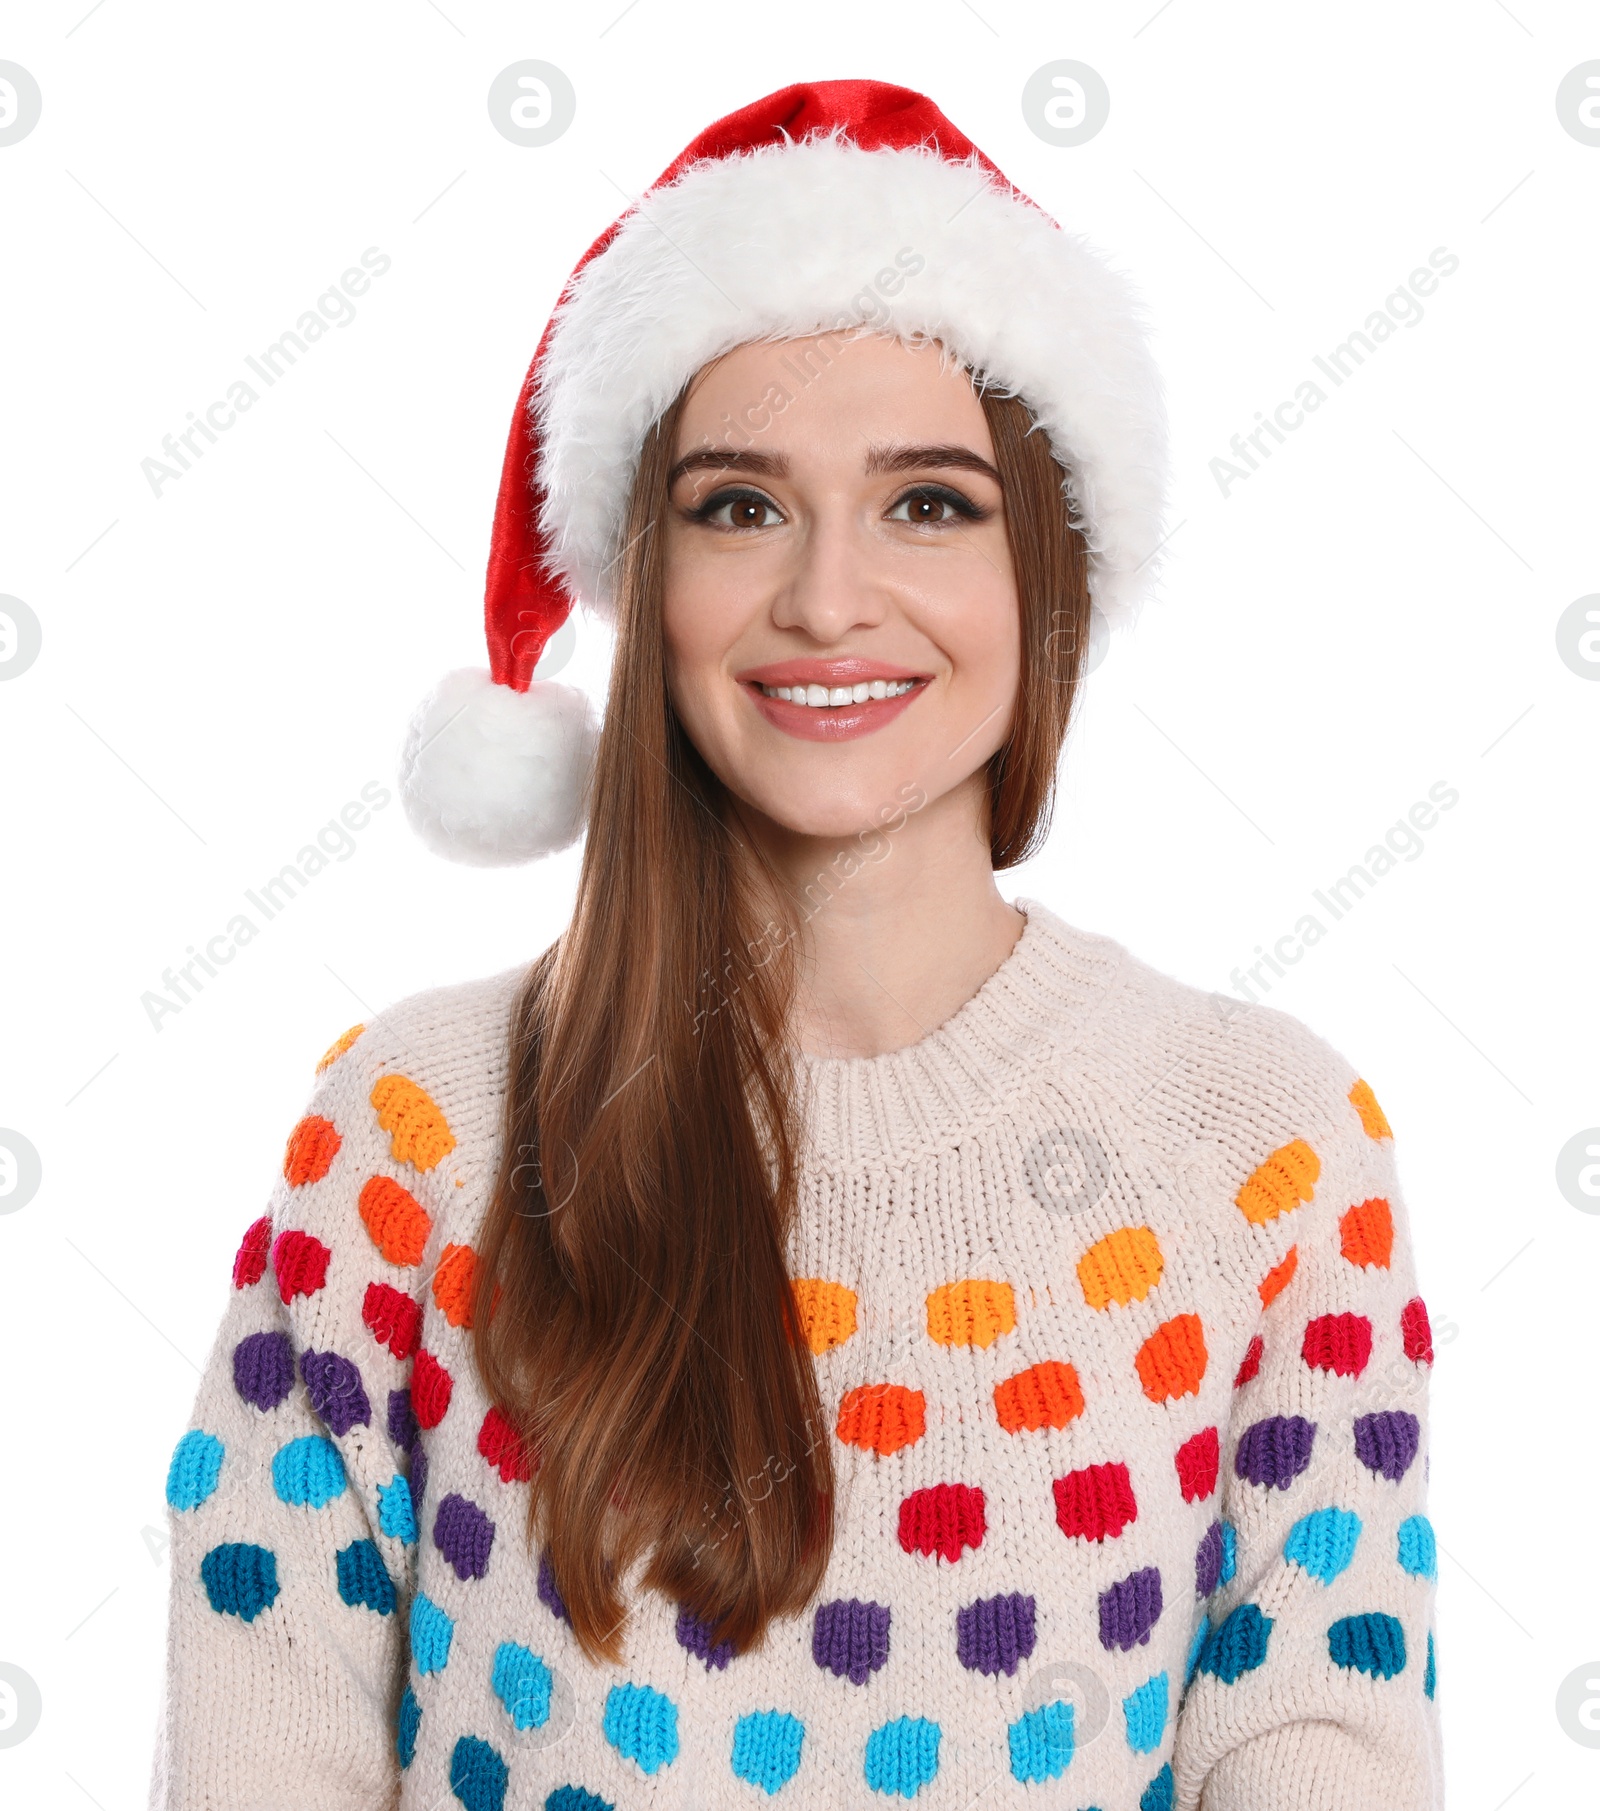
(831, 700)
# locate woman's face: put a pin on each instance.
(836, 531)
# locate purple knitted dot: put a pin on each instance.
(1130, 1609)
(464, 1535)
(850, 1638)
(1386, 1443)
(337, 1393)
(417, 1480)
(549, 1596)
(994, 1633)
(263, 1368)
(402, 1420)
(695, 1636)
(1208, 1561)
(1275, 1451)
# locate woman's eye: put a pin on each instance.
(743, 509)
(933, 508)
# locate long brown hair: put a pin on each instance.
(633, 1316)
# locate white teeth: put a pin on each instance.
(824, 697)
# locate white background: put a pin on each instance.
(225, 666)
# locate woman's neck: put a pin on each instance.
(899, 927)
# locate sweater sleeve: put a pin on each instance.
(1311, 1683)
(290, 1516)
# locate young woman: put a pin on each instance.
(821, 1332)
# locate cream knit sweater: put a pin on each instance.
(1110, 1290)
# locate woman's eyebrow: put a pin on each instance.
(919, 458)
(732, 459)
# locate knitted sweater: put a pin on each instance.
(1111, 1298)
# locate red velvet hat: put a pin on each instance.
(828, 206)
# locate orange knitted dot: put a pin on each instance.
(396, 1221)
(1172, 1361)
(827, 1312)
(882, 1417)
(1278, 1278)
(310, 1152)
(973, 1312)
(1045, 1395)
(452, 1284)
(1366, 1233)
(338, 1047)
(418, 1132)
(1365, 1103)
(1280, 1184)
(1122, 1267)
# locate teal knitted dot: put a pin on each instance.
(522, 1682)
(1238, 1644)
(196, 1465)
(478, 1775)
(1041, 1743)
(1374, 1644)
(241, 1579)
(1159, 1794)
(308, 1472)
(1196, 1648)
(363, 1579)
(405, 1733)
(1145, 1713)
(574, 1798)
(431, 1630)
(396, 1513)
(1417, 1550)
(1324, 1542)
(902, 1756)
(1429, 1677)
(766, 1748)
(642, 1725)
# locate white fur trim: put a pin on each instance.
(785, 242)
(492, 776)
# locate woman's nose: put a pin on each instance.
(833, 585)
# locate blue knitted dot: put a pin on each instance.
(1374, 1644)
(1158, 1795)
(1324, 1542)
(1236, 1645)
(478, 1775)
(1041, 1743)
(1429, 1677)
(196, 1465)
(1196, 1648)
(574, 1798)
(1230, 1553)
(240, 1579)
(364, 1579)
(396, 1516)
(405, 1733)
(308, 1472)
(642, 1725)
(1145, 1712)
(1417, 1551)
(902, 1756)
(522, 1682)
(766, 1748)
(431, 1630)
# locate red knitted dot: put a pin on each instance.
(394, 1318)
(502, 1446)
(1341, 1343)
(431, 1385)
(944, 1519)
(1251, 1364)
(1197, 1461)
(310, 1152)
(250, 1261)
(1416, 1332)
(1095, 1502)
(300, 1263)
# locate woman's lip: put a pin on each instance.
(834, 723)
(849, 669)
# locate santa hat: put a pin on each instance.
(827, 206)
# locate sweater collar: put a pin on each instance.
(928, 1096)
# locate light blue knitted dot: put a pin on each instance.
(308, 1472)
(902, 1756)
(1042, 1743)
(642, 1725)
(766, 1748)
(1145, 1712)
(1416, 1549)
(431, 1630)
(1230, 1553)
(1324, 1542)
(396, 1513)
(521, 1682)
(195, 1468)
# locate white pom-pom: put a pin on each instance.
(493, 776)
